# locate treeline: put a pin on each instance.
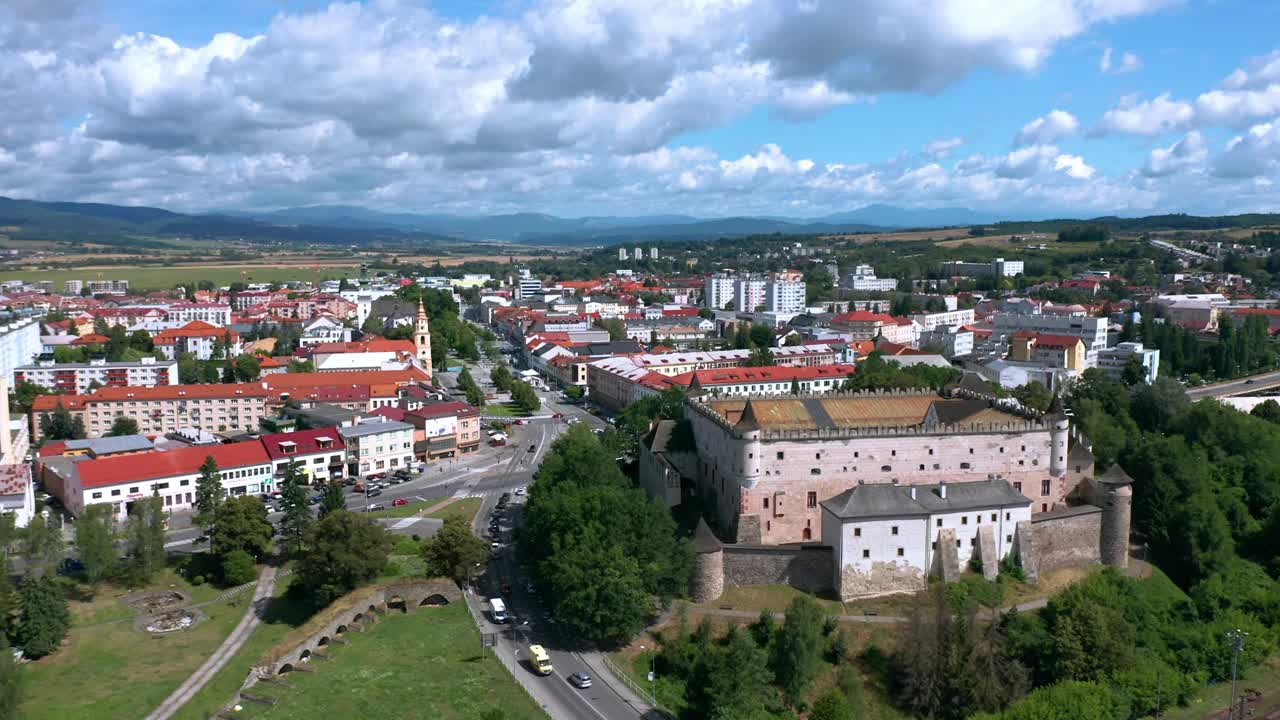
(1239, 350)
(1085, 233)
(599, 548)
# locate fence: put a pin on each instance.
(630, 682)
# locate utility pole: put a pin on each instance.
(1236, 638)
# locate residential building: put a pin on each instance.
(159, 410)
(784, 296)
(73, 287)
(20, 344)
(934, 320)
(952, 340)
(75, 378)
(718, 291)
(17, 494)
(1091, 330)
(622, 254)
(863, 279)
(1114, 360)
(199, 338)
(318, 455)
(863, 325)
(448, 429)
(377, 445)
(765, 381)
(324, 329)
(527, 286)
(749, 293)
(374, 354)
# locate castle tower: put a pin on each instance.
(1115, 492)
(1058, 437)
(707, 582)
(422, 338)
(747, 430)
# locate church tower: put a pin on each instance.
(422, 338)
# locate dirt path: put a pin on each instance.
(224, 653)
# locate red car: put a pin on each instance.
(506, 589)
(400, 501)
(557, 416)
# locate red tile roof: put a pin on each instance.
(155, 465)
(178, 392)
(195, 328)
(49, 403)
(863, 316)
(283, 381)
(445, 409)
(1047, 340)
(305, 442)
(778, 373)
(91, 339)
(374, 345)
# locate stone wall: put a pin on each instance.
(806, 567)
(1067, 537)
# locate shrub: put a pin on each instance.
(197, 580)
(237, 568)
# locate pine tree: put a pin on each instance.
(208, 494)
(45, 617)
(297, 514)
(10, 681)
(333, 498)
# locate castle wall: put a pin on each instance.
(1067, 537)
(807, 567)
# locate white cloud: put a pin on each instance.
(1050, 128)
(943, 147)
(1146, 117)
(1252, 154)
(1074, 166)
(1128, 63)
(1188, 152)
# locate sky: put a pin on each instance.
(800, 108)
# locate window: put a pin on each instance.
(133, 491)
(936, 466)
(855, 453)
(901, 552)
(993, 517)
(964, 520)
(806, 534)
(1006, 516)
(977, 519)
(930, 451)
(886, 468)
(184, 483)
(97, 495)
(815, 471)
(933, 545)
(1044, 507)
(1008, 538)
(817, 456)
(780, 454)
(970, 451)
(894, 530)
(939, 522)
(1044, 487)
(973, 542)
(857, 532)
(115, 493)
(766, 503)
(1017, 486)
(921, 466)
(768, 526)
(866, 554)
(957, 543)
(965, 466)
(812, 500)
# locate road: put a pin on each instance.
(1253, 384)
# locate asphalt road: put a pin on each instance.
(1254, 384)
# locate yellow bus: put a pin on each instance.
(540, 660)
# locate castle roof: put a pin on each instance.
(705, 541)
(747, 420)
(1115, 475)
(872, 410)
(876, 500)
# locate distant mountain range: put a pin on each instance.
(348, 224)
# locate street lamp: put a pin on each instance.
(1236, 638)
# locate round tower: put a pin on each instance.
(707, 582)
(1060, 430)
(1115, 526)
(747, 435)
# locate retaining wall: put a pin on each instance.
(1067, 537)
(806, 567)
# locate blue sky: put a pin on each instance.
(796, 107)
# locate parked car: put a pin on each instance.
(376, 507)
(580, 680)
(557, 416)
(374, 492)
(520, 491)
(532, 448)
(400, 501)
(315, 499)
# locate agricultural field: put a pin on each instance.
(164, 277)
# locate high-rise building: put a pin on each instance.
(784, 296)
(718, 290)
(19, 345)
(639, 253)
(748, 293)
(73, 287)
(622, 254)
(653, 253)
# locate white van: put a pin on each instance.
(497, 610)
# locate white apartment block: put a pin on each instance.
(73, 287)
(1113, 360)
(1092, 330)
(932, 321)
(377, 445)
(998, 267)
(19, 345)
(953, 340)
(718, 290)
(784, 296)
(75, 378)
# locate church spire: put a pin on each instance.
(422, 337)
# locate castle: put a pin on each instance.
(870, 493)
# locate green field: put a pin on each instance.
(421, 665)
(157, 278)
(113, 671)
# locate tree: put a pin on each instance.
(301, 366)
(208, 494)
(123, 425)
(1068, 700)
(240, 524)
(45, 617)
(146, 537)
(454, 551)
(524, 396)
(797, 651)
(42, 545)
(341, 552)
(10, 681)
(1033, 395)
(297, 513)
(760, 357)
(733, 680)
(832, 705)
(24, 396)
(238, 568)
(1134, 372)
(247, 368)
(1268, 410)
(333, 498)
(61, 425)
(228, 373)
(501, 378)
(94, 545)
(617, 329)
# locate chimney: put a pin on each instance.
(942, 489)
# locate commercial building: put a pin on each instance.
(228, 407)
(863, 279)
(998, 267)
(377, 445)
(1114, 360)
(75, 378)
(448, 429)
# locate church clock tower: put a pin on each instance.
(422, 338)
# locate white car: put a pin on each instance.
(519, 491)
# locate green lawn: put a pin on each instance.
(421, 665)
(89, 607)
(283, 615)
(505, 409)
(466, 507)
(114, 671)
(143, 278)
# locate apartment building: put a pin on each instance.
(718, 290)
(934, 320)
(784, 296)
(19, 345)
(75, 378)
(998, 267)
(1091, 330)
(199, 338)
(377, 445)
(1114, 360)
(159, 410)
(318, 455)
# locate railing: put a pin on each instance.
(630, 682)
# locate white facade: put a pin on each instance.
(1092, 330)
(954, 341)
(718, 290)
(212, 313)
(1113, 360)
(177, 492)
(931, 321)
(322, 330)
(375, 446)
(19, 345)
(998, 267)
(76, 378)
(863, 279)
(784, 296)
